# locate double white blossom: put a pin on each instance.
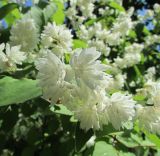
(80, 86)
(51, 75)
(25, 34)
(58, 38)
(149, 119)
(121, 109)
(12, 57)
(88, 69)
(131, 56)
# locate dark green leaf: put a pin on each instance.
(81, 137)
(7, 9)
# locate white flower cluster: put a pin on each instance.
(93, 83)
(132, 56)
(149, 116)
(102, 38)
(24, 33)
(152, 39)
(11, 57)
(85, 6)
(81, 87)
(57, 38)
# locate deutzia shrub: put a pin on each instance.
(79, 77)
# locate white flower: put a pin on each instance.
(113, 38)
(58, 38)
(24, 33)
(150, 73)
(88, 117)
(91, 141)
(11, 57)
(82, 102)
(156, 7)
(88, 69)
(100, 46)
(121, 109)
(151, 91)
(123, 24)
(131, 57)
(51, 76)
(89, 106)
(134, 48)
(116, 83)
(149, 119)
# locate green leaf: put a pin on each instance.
(107, 130)
(103, 149)
(60, 109)
(14, 91)
(79, 44)
(146, 31)
(141, 142)
(154, 138)
(127, 141)
(132, 34)
(14, 15)
(7, 9)
(49, 11)
(116, 6)
(90, 22)
(139, 98)
(59, 16)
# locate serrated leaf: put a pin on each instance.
(127, 141)
(7, 9)
(142, 142)
(14, 91)
(154, 138)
